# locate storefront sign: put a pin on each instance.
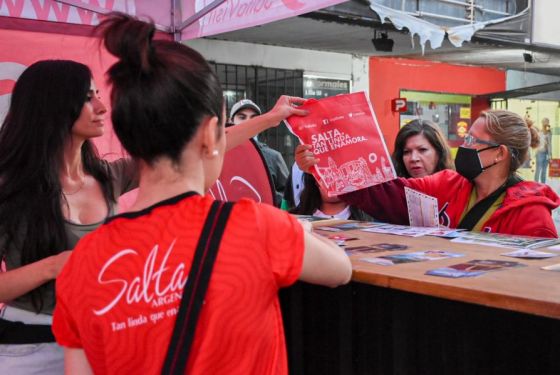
(554, 168)
(465, 112)
(398, 105)
(462, 129)
(317, 88)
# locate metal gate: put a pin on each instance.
(263, 86)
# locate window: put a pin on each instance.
(263, 86)
(451, 112)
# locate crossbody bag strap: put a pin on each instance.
(195, 288)
(478, 210)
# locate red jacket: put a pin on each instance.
(526, 209)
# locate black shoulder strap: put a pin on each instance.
(478, 210)
(195, 288)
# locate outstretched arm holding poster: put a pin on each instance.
(484, 194)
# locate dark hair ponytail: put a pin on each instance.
(162, 90)
(131, 41)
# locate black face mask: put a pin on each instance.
(468, 164)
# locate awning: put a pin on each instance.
(188, 19)
(544, 91)
(512, 28)
(229, 15)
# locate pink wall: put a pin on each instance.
(390, 75)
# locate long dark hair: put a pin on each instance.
(433, 134)
(162, 90)
(46, 101)
(310, 199)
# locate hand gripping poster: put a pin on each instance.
(345, 137)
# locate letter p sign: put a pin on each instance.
(398, 105)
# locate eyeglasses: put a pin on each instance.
(470, 140)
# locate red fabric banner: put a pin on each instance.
(244, 175)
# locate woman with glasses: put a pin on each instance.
(484, 194)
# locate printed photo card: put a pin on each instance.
(473, 268)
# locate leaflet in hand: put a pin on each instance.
(346, 138)
(422, 209)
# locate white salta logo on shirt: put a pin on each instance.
(146, 287)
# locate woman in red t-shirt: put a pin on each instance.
(117, 296)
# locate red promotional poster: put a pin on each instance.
(347, 141)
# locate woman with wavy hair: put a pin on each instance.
(54, 188)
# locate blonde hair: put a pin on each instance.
(509, 129)
(535, 139)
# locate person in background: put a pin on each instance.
(420, 150)
(294, 188)
(484, 194)
(535, 138)
(245, 110)
(543, 151)
(119, 292)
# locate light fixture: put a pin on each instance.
(528, 57)
(382, 43)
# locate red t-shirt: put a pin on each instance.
(119, 292)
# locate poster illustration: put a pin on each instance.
(345, 137)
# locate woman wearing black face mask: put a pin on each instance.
(483, 194)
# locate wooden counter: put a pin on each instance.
(397, 320)
(525, 289)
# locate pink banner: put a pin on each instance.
(86, 12)
(50, 10)
(19, 49)
(239, 14)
